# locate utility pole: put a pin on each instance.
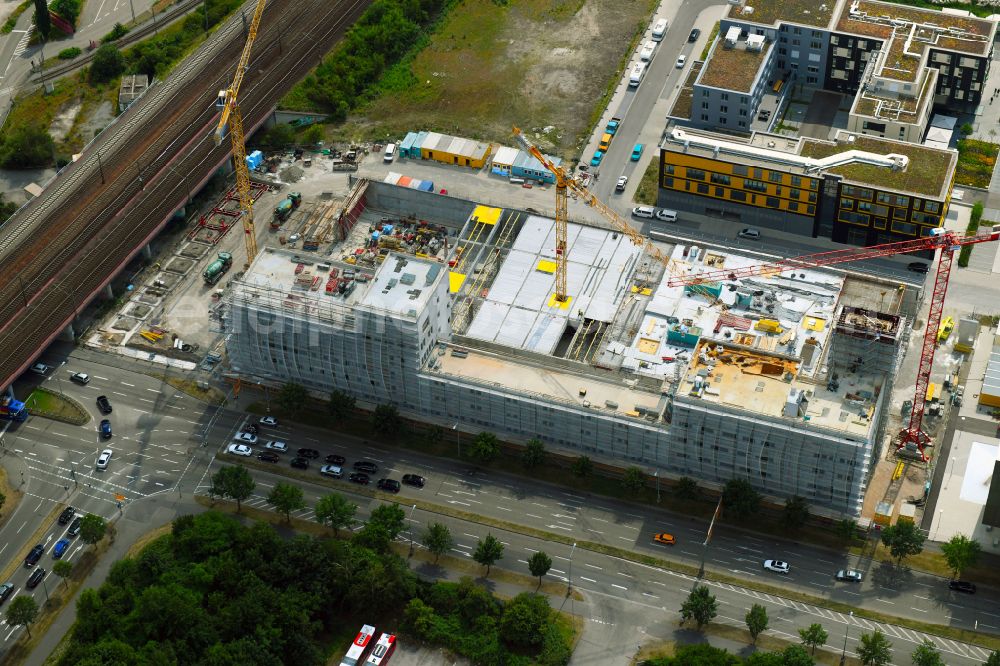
(569, 577)
(847, 628)
(412, 509)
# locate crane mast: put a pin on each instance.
(231, 116)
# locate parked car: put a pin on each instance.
(694, 35)
(334, 471)
(300, 463)
(388, 485)
(917, 267)
(268, 456)
(358, 477)
(850, 575)
(647, 51)
(246, 437)
(31, 559)
(41, 369)
(80, 378)
(595, 161)
(366, 466)
(66, 515)
(104, 459)
(105, 429)
(275, 445)
(239, 450)
(636, 152)
(269, 421)
(74, 527)
(414, 480)
(104, 404)
(749, 233)
(962, 586)
(776, 566)
(6, 590)
(35, 578)
(664, 538)
(334, 459)
(622, 182)
(312, 454)
(60, 548)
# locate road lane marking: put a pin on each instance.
(126, 384)
(503, 508)
(589, 580)
(103, 379)
(620, 587)
(593, 566)
(153, 390)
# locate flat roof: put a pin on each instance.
(871, 102)
(816, 13)
(928, 172)
(733, 68)
(402, 284)
(929, 28)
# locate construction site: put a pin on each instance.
(451, 310)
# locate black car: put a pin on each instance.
(6, 590)
(103, 404)
(35, 555)
(358, 477)
(35, 578)
(917, 267)
(695, 34)
(67, 515)
(74, 527)
(389, 485)
(300, 463)
(312, 454)
(962, 586)
(268, 456)
(365, 466)
(334, 459)
(414, 480)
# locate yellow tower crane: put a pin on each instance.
(231, 114)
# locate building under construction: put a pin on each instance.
(781, 379)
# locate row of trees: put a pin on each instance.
(873, 649)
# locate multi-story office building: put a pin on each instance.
(764, 380)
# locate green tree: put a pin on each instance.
(903, 539)
(488, 552)
(966, 129)
(117, 32)
(419, 619)
(756, 619)
(796, 513)
(285, 498)
(814, 636)
(846, 529)
(485, 448)
(42, 20)
(433, 435)
(796, 655)
(960, 553)
(27, 146)
(438, 540)
(107, 64)
(312, 135)
(993, 659)
(92, 528)
(392, 517)
(700, 606)
(703, 654)
(62, 568)
(927, 654)
(534, 453)
(539, 564)
(68, 9)
(235, 482)
(22, 610)
(386, 420)
(334, 510)
(582, 467)
(3, 498)
(634, 480)
(874, 649)
(524, 620)
(340, 405)
(739, 500)
(686, 488)
(279, 136)
(291, 398)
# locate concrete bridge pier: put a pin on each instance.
(68, 334)
(109, 292)
(147, 251)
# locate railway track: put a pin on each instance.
(57, 257)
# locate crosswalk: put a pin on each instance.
(22, 44)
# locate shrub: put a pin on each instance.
(108, 64)
(117, 32)
(70, 53)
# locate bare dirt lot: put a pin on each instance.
(540, 64)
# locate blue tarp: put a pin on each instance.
(426, 186)
(255, 159)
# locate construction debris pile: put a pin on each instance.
(410, 235)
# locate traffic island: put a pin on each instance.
(56, 406)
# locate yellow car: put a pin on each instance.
(947, 326)
(665, 538)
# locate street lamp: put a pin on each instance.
(569, 577)
(847, 628)
(412, 509)
(458, 441)
(657, 475)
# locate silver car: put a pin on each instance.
(777, 566)
(246, 438)
(850, 575)
(104, 459)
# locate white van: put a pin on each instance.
(390, 152)
(660, 29)
(643, 211)
(666, 215)
(638, 71)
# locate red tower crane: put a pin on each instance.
(946, 241)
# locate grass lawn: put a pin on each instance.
(976, 161)
(647, 190)
(46, 403)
